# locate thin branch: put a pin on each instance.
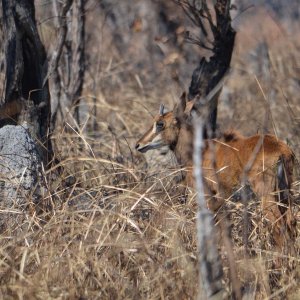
(211, 271)
(61, 40)
(193, 14)
(196, 41)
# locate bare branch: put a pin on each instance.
(196, 41)
(78, 55)
(68, 83)
(61, 39)
(211, 272)
(194, 15)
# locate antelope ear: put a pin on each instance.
(161, 109)
(179, 108)
(189, 107)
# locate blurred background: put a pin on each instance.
(137, 57)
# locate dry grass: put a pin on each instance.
(113, 225)
(111, 228)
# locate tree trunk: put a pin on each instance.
(67, 88)
(218, 36)
(26, 97)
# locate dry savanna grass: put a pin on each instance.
(114, 228)
(113, 224)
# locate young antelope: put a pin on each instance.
(224, 164)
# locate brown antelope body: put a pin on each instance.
(267, 161)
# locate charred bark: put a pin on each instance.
(209, 72)
(26, 95)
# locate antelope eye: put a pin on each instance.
(160, 125)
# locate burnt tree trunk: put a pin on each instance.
(26, 96)
(217, 36)
(219, 63)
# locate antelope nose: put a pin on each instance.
(137, 146)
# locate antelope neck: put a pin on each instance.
(183, 148)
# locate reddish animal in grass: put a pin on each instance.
(224, 162)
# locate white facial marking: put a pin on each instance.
(157, 139)
(154, 128)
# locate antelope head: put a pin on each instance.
(165, 128)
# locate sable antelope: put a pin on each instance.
(224, 162)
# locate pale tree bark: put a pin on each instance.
(210, 266)
(67, 66)
(53, 71)
(78, 55)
